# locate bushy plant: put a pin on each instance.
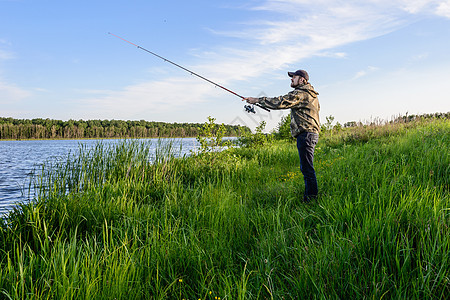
(283, 131)
(256, 139)
(211, 136)
(214, 151)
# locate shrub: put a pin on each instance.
(283, 131)
(256, 139)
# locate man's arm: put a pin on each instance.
(282, 102)
(251, 100)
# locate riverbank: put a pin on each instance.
(232, 225)
(19, 160)
(115, 138)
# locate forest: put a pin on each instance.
(18, 129)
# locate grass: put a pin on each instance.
(107, 224)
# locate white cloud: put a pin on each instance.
(367, 71)
(437, 7)
(293, 30)
(149, 97)
(443, 9)
(5, 42)
(10, 93)
(415, 6)
(281, 34)
(5, 54)
(298, 29)
(332, 54)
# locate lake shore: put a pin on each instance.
(232, 225)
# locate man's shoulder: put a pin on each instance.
(306, 88)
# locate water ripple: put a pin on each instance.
(18, 159)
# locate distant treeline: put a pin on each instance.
(56, 129)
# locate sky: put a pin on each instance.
(369, 60)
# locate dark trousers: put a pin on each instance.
(306, 142)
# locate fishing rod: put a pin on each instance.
(248, 108)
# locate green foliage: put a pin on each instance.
(236, 228)
(257, 139)
(361, 134)
(214, 153)
(353, 132)
(328, 125)
(56, 129)
(211, 136)
(328, 128)
(283, 131)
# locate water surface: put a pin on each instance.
(19, 158)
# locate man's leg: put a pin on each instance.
(306, 142)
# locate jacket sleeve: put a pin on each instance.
(292, 99)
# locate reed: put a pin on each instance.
(115, 223)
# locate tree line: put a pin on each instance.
(56, 129)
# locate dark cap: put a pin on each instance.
(301, 73)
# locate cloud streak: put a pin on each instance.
(299, 29)
(282, 34)
(5, 54)
(151, 98)
(362, 73)
(443, 9)
(10, 93)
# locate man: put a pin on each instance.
(305, 125)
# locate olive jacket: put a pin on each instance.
(304, 104)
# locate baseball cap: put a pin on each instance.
(301, 73)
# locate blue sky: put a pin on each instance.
(367, 59)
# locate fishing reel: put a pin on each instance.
(250, 108)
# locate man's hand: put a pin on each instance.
(251, 100)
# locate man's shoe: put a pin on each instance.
(309, 198)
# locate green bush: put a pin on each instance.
(257, 139)
(283, 130)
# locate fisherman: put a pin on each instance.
(305, 125)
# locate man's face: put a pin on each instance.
(296, 80)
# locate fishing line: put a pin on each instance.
(248, 108)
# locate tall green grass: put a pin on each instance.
(110, 224)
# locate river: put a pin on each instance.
(19, 158)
